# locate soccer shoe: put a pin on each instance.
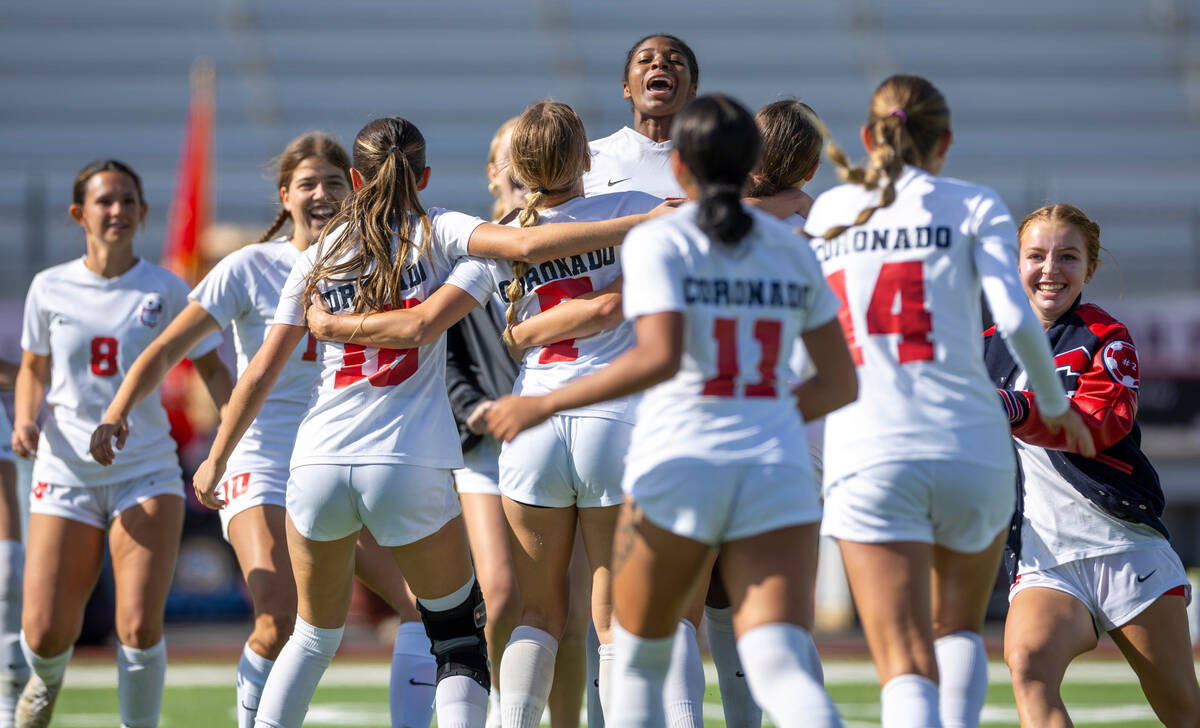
(36, 703)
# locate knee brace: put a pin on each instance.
(459, 646)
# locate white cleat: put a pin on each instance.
(36, 703)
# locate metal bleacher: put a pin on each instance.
(1093, 103)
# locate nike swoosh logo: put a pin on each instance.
(612, 181)
(739, 673)
(1147, 576)
(413, 681)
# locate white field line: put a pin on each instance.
(374, 674)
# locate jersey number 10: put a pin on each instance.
(905, 279)
(388, 371)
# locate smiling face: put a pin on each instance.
(111, 209)
(312, 197)
(1054, 266)
(658, 78)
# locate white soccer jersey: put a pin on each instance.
(744, 306)
(630, 161)
(910, 291)
(93, 328)
(385, 405)
(548, 284)
(243, 290)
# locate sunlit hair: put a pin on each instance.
(791, 147)
(908, 116)
(1088, 229)
(79, 188)
(316, 144)
(498, 210)
(548, 153)
(389, 154)
(718, 141)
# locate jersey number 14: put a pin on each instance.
(904, 280)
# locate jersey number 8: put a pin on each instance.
(104, 356)
(905, 280)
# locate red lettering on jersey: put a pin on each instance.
(310, 349)
(1120, 359)
(392, 366)
(768, 333)
(235, 486)
(549, 296)
(104, 356)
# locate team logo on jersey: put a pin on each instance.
(1069, 365)
(152, 308)
(1120, 359)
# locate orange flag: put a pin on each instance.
(190, 209)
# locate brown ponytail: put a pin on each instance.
(907, 118)
(389, 153)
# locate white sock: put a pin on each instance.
(493, 716)
(962, 668)
(461, 702)
(683, 690)
(413, 679)
(909, 701)
(774, 657)
(141, 675)
(49, 669)
(606, 659)
(740, 709)
(14, 671)
(595, 706)
(638, 676)
(294, 678)
(526, 675)
(252, 673)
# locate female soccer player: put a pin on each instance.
(1088, 550)
(919, 471)
(719, 292)
(82, 352)
(377, 443)
(243, 291)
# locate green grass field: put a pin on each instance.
(201, 695)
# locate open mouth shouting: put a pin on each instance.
(320, 214)
(660, 86)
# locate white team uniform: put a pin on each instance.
(571, 458)
(910, 281)
(714, 453)
(243, 290)
(630, 161)
(380, 407)
(1116, 568)
(93, 328)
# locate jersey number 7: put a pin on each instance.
(905, 280)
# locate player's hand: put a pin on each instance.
(475, 420)
(25, 439)
(1079, 437)
(102, 440)
(205, 482)
(667, 206)
(510, 416)
(320, 320)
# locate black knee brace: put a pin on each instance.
(458, 642)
